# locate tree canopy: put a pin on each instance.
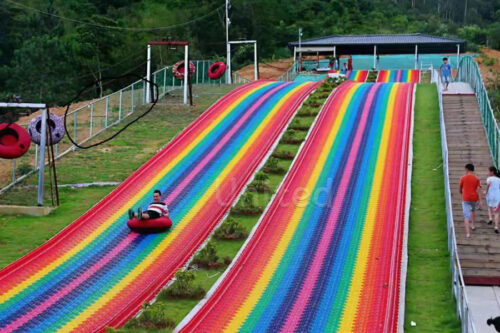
(51, 48)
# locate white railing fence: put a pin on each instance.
(86, 122)
(458, 284)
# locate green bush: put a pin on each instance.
(183, 287)
(284, 155)
(231, 229)
(207, 257)
(153, 316)
(260, 183)
(246, 205)
(272, 166)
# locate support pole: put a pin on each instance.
(416, 56)
(256, 64)
(335, 52)
(148, 75)
(295, 58)
(375, 56)
(186, 73)
(41, 170)
(228, 47)
(458, 56)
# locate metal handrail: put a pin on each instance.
(469, 72)
(96, 117)
(459, 290)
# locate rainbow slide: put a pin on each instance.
(327, 253)
(400, 75)
(96, 272)
(354, 75)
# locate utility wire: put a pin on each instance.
(117, 28)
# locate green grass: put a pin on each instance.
(429, 301)
(113, 161)
(176, 310)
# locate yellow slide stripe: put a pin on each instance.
(108, 296)
(352, 302)
(267, 274)
(85, 242)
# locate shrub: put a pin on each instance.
(231, 229)
(260, 183)
(207, 257)
(183, 287)
(246, 205)
(153, 316)
(272, 166)
(284, 155)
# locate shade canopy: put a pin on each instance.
(386, 44)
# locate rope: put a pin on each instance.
(154, 91)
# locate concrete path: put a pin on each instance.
(458, 88)
(484, 303)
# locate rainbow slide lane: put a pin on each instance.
(354, 75)
(400, 75)
(96, 272)
(327, 253)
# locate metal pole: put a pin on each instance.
(186, 73)
(228, 47)
(256, 64)
(295, 58)
(120, 106)
(375, 56)
(43, 141)
(197, 70)
(106, 113)
(458, 56)
(148, 74)
(416, 56)
(203, 73)
(91, 119)
(14, 170)
(36, 155)
(300, 48)
(164, 81)
(132, 99)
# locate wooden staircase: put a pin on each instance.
(479, 256)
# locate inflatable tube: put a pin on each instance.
(14, 141)
(150, 226)
(178, 70)
(216, 70)
(56, 126)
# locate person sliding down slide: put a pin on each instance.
(155, 210)
(154, 219)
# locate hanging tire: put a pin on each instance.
(56, 127)
(216, 70)
(14, 141)
(178, 70)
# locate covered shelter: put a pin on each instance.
(379, 44)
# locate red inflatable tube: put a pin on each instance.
(151, 225)
(179, 68)
(216, 70)
(14, 141)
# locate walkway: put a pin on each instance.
(480, 256)
(485, 303)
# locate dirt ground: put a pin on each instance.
(489, 72)
(270, 70)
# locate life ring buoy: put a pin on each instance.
(178, 70)
(151, 225)
(216, 70)
(56, 127)
(14, 141)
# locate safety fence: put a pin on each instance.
(88, 121)
(290, 74)
(458, 285)
(469, 72)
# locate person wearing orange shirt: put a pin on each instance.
(471, 200)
